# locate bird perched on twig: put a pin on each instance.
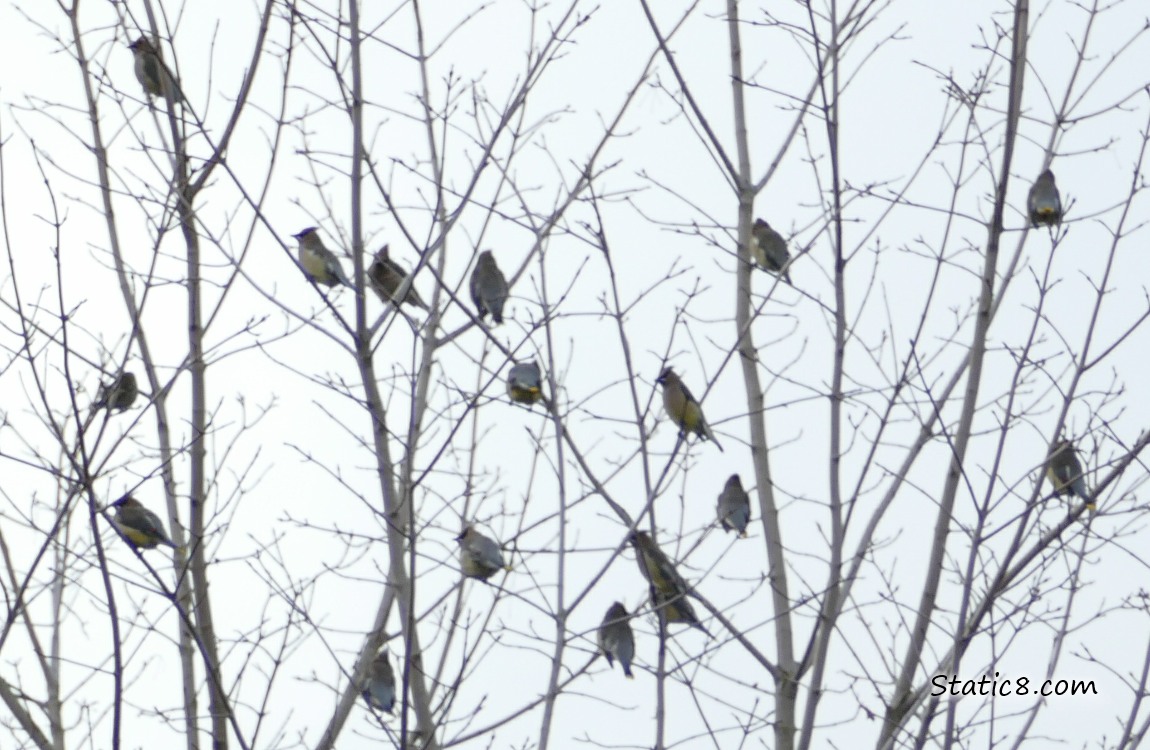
(488, 287)
(150, 70)
(479, 556)
(379, 690)
(318, 263)
(769, 249)
(118, 395)
(139, 526)
(734, 508)
(668, 589)
(385, 276)
(525, 383)
(1064, 471)
(1043, 202)
(616, 640)
(682, 407)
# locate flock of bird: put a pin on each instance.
(480, 556)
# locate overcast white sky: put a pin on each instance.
(295, 500)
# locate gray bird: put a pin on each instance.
(682, 407)
(769, 249)
(734, 508)
(616, 640)
(488, 287)
(525, 383)
(150, 70)
(139, 526)
(1064, 471)
(385, 276)
(379, 691)
(118, 395)
(479, 556)
(319, 264)
(1043, 202)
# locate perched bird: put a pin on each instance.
(734, 509)
(479, 556)
(1064, 471)
(139, 526)
(1043, 203)
(616, 640)
(385, 276)
(150, 69)
(682, 407)
(118, 395)
(488, 287)
(379, 691)
(668, 589)
(525, 383)
(319, 264)
(769, 249)
(655, 566)
(676, 608)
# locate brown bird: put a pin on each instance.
(668, 589)
(386, 276)
(676, 608)
(682, 407)
(139, 526)
(318, 263)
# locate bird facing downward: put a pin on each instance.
(139, 526)
(668, 589)
(1043, 203)
(682, 407)
(488, 287)
(318, 263)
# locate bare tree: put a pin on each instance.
(813, 215)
